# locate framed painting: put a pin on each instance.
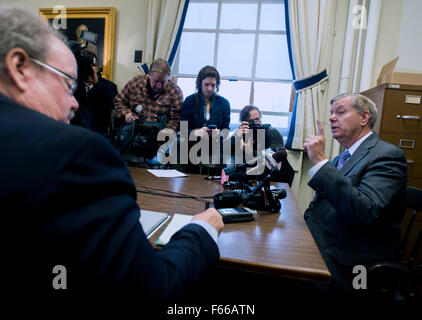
(97, 20)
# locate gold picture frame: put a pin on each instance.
(100, 20)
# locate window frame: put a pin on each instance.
(256, 32)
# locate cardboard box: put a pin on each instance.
(387, 75)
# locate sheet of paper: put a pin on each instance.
(167, 173)
(177, 222)
(151, 221)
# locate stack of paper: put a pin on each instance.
(167, 173)
(152, 220)
(178, 222)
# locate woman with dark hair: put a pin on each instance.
(206, 107)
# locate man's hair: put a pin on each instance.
(160, 66)
(244, 113)
(207, 72)
(361, 103)
(22, 28)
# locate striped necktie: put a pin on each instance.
(343, 158)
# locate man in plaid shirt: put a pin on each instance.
(155, 93)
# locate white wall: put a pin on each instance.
(399, 34)
(410, 40)
(388, 35)
(131, 26)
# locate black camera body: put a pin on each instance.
(140, 137)
(254, 124)
(145, 142)
(86, 56)
(265, 200)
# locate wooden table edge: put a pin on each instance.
(273, 269)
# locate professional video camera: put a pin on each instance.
(140, 136)
(262, 196)
(87, 52)
(256, 194)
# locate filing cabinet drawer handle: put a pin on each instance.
(408, 117)
(411, 117)
(404, 143)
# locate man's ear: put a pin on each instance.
(366, 115)
(19, 67)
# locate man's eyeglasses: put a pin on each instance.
(72, 87)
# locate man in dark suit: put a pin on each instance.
(356, 214)
(94, 94)
(69, 213)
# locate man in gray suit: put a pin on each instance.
(356, 214)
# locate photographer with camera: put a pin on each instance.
(147, 104)
(155, 93)
(94, 94)
(250, 119)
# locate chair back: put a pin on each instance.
(411, 254)
(402, 281)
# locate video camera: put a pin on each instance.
(88, 52)
(89, 37)
(140, 136)
(255, 198)
(256, 194)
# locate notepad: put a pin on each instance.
(177, 222)
(152, 220)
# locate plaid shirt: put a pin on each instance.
(168, 102)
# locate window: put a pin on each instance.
(246, 41)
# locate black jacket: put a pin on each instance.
(95, 105)
(71, 201)
(193, 112)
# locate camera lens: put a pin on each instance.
(254, 124)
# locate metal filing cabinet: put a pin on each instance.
(399, 122)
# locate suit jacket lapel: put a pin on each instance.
(360, 153)
(336, 160)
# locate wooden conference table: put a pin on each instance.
(277, 244)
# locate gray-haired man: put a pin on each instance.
(357, 210)
(72, 221)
